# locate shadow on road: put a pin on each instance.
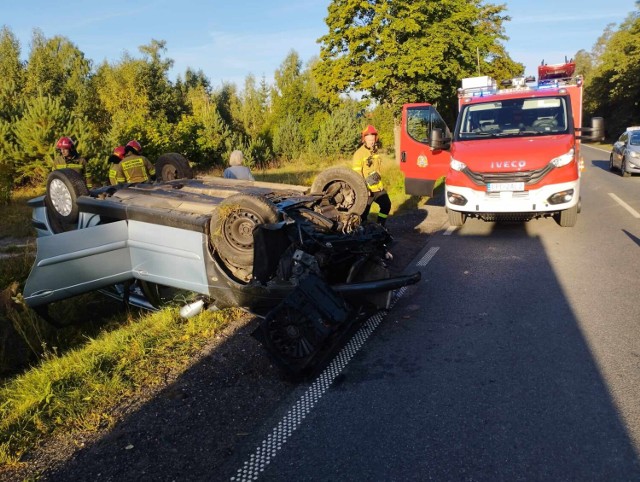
(481, 373)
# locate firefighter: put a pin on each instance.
(69, 158)
(114, 160)
(134, 167)
(366, 162)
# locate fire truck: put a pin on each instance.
(514, 153)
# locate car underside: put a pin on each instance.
(298, 257)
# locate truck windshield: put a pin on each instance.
(533, 116)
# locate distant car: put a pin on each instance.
(625, 153)
(297, 256)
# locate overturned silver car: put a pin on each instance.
(297, 256)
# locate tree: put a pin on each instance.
(57, 68)
(613, 90)
(294, 105)
(12, 78)
(399, 51)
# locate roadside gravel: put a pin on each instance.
(189, 428)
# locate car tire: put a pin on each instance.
(623, 168)
(231, 229)
(345, 188)
(568, 217)
(173, 166)
(611, 166)
(456, 218)
(64, 187)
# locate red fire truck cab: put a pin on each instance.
(514, 153)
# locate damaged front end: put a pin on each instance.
(340, 273)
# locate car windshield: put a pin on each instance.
(634, 139)
(514, 117)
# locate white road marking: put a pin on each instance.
(449, 230)
(633, 212)
(270, 446)
(427, 256)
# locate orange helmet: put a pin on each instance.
(119, 151)
(65, 143)
(135, 145)
(369, 130)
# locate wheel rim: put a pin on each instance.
(292, 334)
(238, 229)
(60, 197)
(169, 173)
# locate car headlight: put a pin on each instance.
(563, 160)
(635, 154)
(457, 165)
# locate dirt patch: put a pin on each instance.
(190, 427)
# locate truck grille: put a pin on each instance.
(528, 177)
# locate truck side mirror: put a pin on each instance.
(596, 130)
(437, 141)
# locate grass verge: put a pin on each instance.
(78, 390)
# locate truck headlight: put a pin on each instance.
(564, 159)
(457, 165)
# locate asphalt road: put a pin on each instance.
(517, 357)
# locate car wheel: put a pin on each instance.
(173, 166)
(623, 168)
(568, 217)
(344, 188)
(456, 218)
(232, 226)
(611, 167)
(64, 186)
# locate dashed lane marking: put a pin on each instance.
(427, 256)
(268, 449)
(633, 212)
(449, 230)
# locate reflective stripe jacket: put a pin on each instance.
(367, 162)
(77, 163)
(132, 169)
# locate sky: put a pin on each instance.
(228, 40)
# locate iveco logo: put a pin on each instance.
(512, 164)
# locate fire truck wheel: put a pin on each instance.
(623, 168)
(232, 225)
(345, 189)
(568, 217)
(64, 186)
(173, 166)
(456, 218)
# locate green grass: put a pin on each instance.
(78, 390)
(16, 216)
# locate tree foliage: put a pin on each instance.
(399, 51)
(613, 81)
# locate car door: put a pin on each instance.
(421, 163)
(618, 149)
